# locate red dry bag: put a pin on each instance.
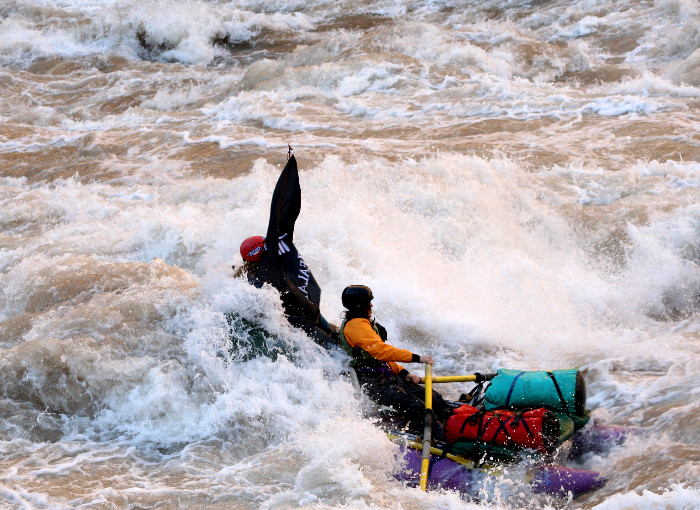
(536, 429)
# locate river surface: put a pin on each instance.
(518, 182)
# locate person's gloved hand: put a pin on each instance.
(412, 379)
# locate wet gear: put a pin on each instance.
(252, 248)
(357, 297)
(560, 390)
(534, 429)
(563, 392)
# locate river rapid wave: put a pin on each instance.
(517, 181)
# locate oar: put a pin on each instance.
(458, 378)
(427, 431)
(400, 439)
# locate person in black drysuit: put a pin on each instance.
(275, 260)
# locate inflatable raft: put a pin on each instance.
(514, 423)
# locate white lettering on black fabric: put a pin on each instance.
(304, 276)
(282, 247)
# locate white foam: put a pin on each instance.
(583, 27)
(183, 32)
(676, 495)
(482, 274)
(113, 294)
(651, 85)
(266, 109)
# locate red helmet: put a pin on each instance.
(252, 248)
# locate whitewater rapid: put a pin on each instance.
(516, 181)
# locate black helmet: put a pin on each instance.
(357, 296)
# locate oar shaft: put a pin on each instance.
(429, 386)
(434, 451)
(449, 378)
(427, 432)
(459, 378)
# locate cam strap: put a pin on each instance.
(519, 420)
(476, 389)
(512, 387)
(561, 396)
(502, 427)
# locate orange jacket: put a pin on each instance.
(359, 333)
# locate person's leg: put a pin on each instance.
(441, 411)
(389, 392)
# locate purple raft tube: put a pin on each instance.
(562, 481)
(598, 438)
(447, 474)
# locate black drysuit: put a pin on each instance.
(281, 265)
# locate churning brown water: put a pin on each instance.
(516, 180)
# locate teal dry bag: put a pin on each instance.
(558, 390)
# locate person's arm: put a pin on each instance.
(412, 378)
(248, 269)
(280, 263)
(284, 210)
(359, 333)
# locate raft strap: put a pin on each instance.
(478, 420)
(501, 426)
(512, 387)
(561, 396)
(517, 421)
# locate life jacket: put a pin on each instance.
(535, 429)
(362, 361)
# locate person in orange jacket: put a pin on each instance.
(377, 363)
